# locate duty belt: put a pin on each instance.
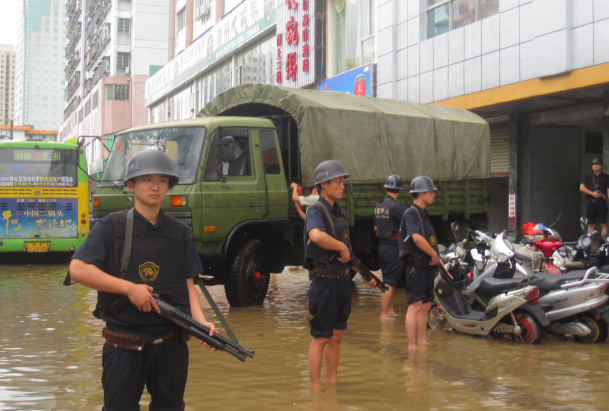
(322, 272)
(133, 342)
(394, 236)
(595, 200)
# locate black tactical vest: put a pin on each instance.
(386, 224)
(157, 260)
(337, 228)
(407, 245)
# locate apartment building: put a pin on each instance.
(113, 47)
(39, 83)
(7, 83)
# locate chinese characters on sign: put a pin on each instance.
(512, 205)
(36, 181)
(43, 217)
(294, 26)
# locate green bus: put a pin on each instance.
(44, 196)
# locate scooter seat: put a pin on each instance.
(490, 287)
(550, 282)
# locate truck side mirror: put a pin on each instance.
(227, 149)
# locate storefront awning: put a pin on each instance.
(371, 137)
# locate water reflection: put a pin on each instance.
(50, 357)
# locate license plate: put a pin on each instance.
(37, 247)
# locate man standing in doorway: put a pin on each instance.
(596, 185)
(419, 249)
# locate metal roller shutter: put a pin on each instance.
(500, 153)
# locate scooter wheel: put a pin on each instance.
(599, 331)
(531, 331)
(435, 318)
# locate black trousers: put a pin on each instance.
(161, 368)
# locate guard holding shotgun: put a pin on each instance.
(158, 255)
(419, 249)
(326, 233)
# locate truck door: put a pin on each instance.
(231, 190)
(273, 192)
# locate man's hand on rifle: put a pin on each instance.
(141, 296)
(345, 255)
(597, 194)
(372, 284)
(212, 328)
(435, 259)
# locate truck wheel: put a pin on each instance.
(248, 278)
(599, 330)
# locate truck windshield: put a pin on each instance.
(33, 167)
(183, 145)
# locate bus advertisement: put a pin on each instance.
(44, 196)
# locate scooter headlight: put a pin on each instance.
(585, 241)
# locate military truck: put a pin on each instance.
(237, 159)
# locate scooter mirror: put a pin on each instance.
(455, 228)
(583, 222)
(441, 248)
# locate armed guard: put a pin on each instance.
(419, 250)
(126, 256)
(328, 251)
(595, 186)
(387, 219)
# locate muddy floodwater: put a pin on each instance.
(50, 357)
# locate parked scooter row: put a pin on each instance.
(498, 297)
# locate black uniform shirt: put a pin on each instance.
(396, 213)
(315, 219)
(98, 246)
(594, 182)
(413, 226)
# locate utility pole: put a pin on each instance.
(11, 137)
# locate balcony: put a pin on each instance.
(96, 13)
(96, 45)
(74, 8)
(72, 64)
(73, 38)
(72, 85)
(71, 107)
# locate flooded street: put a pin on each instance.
(50, 357)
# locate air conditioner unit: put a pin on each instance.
(127, 70)
(107, 66)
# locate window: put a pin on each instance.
(446, 15)
(117, 92)
(269, 153)
(354, 32)
(181, 20)
(122, 60)
(124, 25)
(240, 166)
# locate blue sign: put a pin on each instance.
(356, 81)
(27, 218)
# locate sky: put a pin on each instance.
(9, 22)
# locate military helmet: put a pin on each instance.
(151, 162)
(393, 182)
(421, 184)
(597, 160)
(329, 169)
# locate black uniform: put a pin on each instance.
(387, 219)
(419, 274)
(163, 256)
(329, 298)
(596, 208)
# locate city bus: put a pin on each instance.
(44, 196)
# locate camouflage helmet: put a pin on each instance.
(151, 162)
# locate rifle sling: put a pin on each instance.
(217, 311)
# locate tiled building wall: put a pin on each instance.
(527, 39)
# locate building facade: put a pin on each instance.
(537, 70)
(113, 47)
(7, 83)
(39, 99)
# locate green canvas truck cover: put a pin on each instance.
(372, 137)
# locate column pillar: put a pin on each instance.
(606, 127)
(516, 127)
